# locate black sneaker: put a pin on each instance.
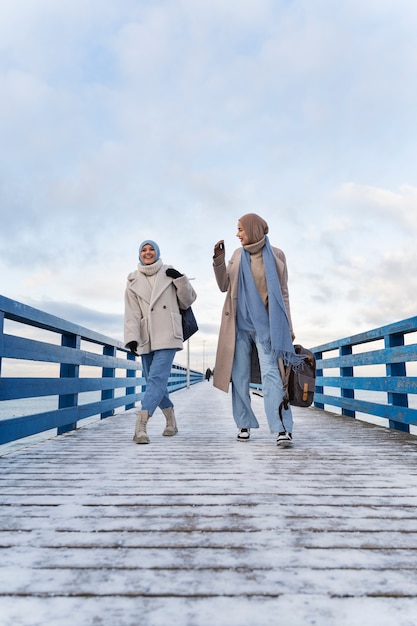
(243, 434)
(284, 440)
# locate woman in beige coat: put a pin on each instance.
(256, 312)
(153, 329)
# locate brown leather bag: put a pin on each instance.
(299, 384)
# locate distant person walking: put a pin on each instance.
(256, 312)
(208, 374)
(153, 329)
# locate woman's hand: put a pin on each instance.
(219, 249)
(173, 273)
(132, 346)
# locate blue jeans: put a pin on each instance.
(271, 386)
(156, 367)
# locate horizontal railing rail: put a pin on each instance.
(363, 350)
(110, 371)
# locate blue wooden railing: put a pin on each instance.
(86, 362)
(110, 371)
(391, 347)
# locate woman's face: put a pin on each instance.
(244, 239)
(148, 254)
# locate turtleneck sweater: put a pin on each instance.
(257, 268)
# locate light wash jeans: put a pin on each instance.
(156, 367)
(271, 386)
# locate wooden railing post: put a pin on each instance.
(67, 370)
(1, 335)
(346, 371)
(108, 372)
(319, 388)
(130, 374)
(396, 369)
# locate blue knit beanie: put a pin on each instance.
(154, 246)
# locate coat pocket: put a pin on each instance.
(144, 332)
(176, 325)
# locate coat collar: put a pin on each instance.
(143, 288)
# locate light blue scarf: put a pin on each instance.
(273, 329)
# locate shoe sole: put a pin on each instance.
(140, 440)
(284, 444)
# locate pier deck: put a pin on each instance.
(202, 530)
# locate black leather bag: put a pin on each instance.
(189, 323)
(302, 382)
(299, 384)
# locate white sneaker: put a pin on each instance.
(284, 440)
(243, 434)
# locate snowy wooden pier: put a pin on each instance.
(202, 530)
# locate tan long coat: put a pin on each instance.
(227, 280)
(152, 316)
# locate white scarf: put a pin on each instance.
(150, 271)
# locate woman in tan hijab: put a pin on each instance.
(256, 312)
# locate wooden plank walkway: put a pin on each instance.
(202, 530)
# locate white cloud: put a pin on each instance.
(398, 207)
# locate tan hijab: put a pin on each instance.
(254, 226)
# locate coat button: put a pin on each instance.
(164, 307)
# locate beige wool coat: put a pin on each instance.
(152, 316)
(227, 280)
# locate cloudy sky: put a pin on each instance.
(127, 119)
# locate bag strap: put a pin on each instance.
(285, 377)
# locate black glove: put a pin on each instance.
(173, 273)
(133, 346)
